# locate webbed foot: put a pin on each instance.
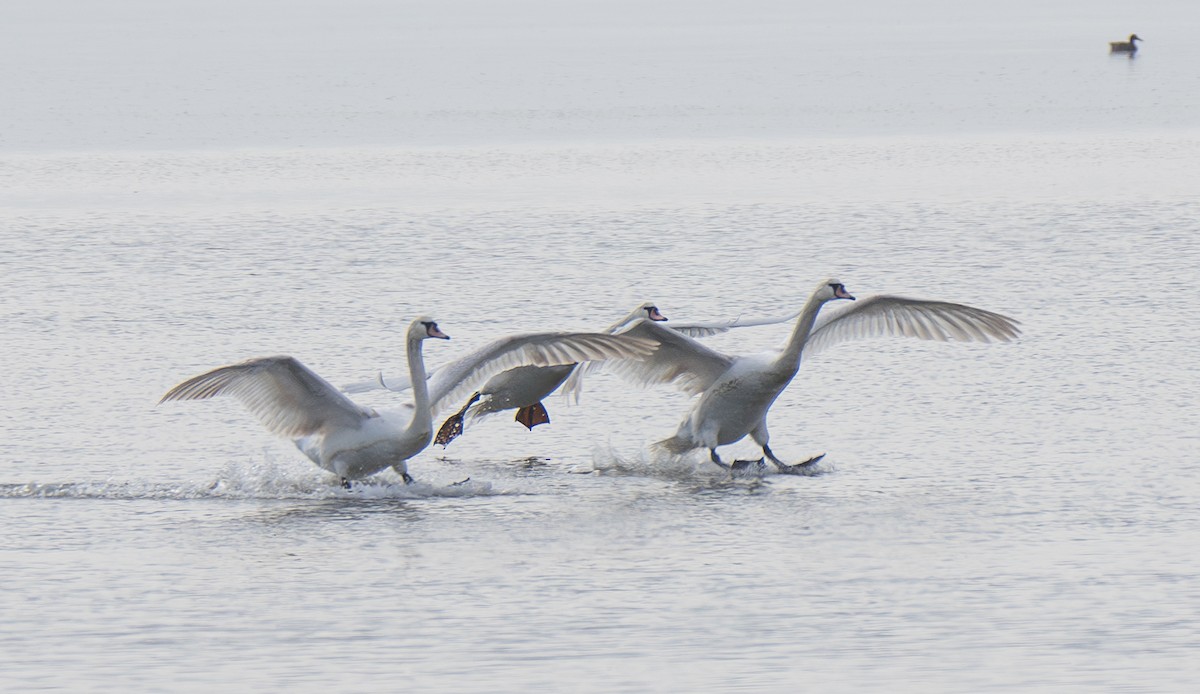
(345, 483)
(804, 468)
(408, 479)
(741, 466)
(532, 415)
(452, 428)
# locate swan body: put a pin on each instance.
(376, 444)
(524, 388)
(734, 394)
(736, 403)
(353, 441)
(520, 387)
(1129, 46)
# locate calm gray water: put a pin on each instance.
(183, 188)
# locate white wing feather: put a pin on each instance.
(286, 396)
(454, 381)
(679, 360)
(396, 384)
(449, 378)
(885, 315)
(401, 382)
(710, 328)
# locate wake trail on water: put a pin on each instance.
(264, 480)
(691, 466)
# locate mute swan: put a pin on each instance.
(737, 392)
(1124, 46)
(524, 388)
(353, 441)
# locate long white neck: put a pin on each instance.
(789, 358)
(422, 421)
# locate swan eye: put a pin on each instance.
(651, 310)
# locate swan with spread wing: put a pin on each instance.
(736, 392)
(353, 441)
(524, 388)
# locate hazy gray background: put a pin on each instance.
(228, 73)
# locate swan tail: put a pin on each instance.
(532, 415)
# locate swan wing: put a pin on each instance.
(679, 360)
(710, 328)
(396, 384)
(458, 379)
(286, 396)
(885, 315)
(401, 382)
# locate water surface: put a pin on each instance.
(988, 517)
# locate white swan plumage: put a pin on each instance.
(524, 388)
(353, 441)
(735, 393)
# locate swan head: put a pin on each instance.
(1134, 37)
(648, 311)
(425, 327)
(832, 289)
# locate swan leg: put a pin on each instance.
(532, 415)
(401, 469)
(452, 428)
(345, 483)
(762, 436)
(736, 466)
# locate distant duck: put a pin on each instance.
(1124, 46)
